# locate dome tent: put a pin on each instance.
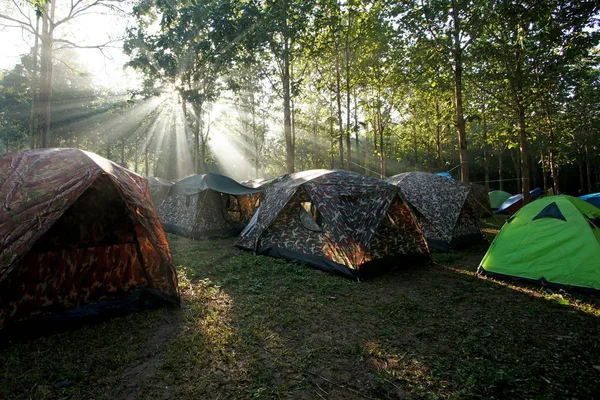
(592, 198)
(338, 221)
(553, 241)
(78, 237)
(479, 197)
(514, 203)
(497, 197)
(208, 205)
(447, 211)
(159, 189)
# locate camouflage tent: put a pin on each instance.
(338, 221)
(159, 189)
(446, 210)
(481, 198)
(208, 205)
(78, 237)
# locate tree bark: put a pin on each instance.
(375, 147)
(486, 161)
(588, 168)
(382, 147)
(45, 96)
(135, 157)
(581, 177)
(338, 99)
(500, 180)
(33, 128)
(525, 186)
(551, 153)
(460, 119)
(332, 136)
(438, 136)
(544, 173)
(348, 104)
(358, 157)
(122, 152)
(315, 141)
(287, 119)
(514, 155)
(197, 133)
(415, 145)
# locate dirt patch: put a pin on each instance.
(148, 362)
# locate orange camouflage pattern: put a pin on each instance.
(75, 229)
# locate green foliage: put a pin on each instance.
(379, 75)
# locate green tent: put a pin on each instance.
(497, 197)
(553, 241)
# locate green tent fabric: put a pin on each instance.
(497, 197)
(553, 241)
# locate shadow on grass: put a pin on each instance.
(430, 332)
(257, 327)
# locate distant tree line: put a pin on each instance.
(502, 92)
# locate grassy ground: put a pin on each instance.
(256, 327)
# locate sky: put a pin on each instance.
(107, 70)
(85, 30)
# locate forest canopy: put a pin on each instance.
(504, 93)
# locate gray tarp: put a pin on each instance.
(219, 183)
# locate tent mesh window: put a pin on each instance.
(310, 217)
(232, 207)
(550, 211)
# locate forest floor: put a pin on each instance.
(256, 327)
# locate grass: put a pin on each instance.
(254, 327)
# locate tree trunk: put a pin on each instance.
(415, 145)
(348, 103)
(185, 124)
(293, 122)
(315, 141)
(338, 99)
(135, 158)
(544, 173)
(197, 133)
(375, 147)
(33, 128)
(255, 133)
(500, 180)
(581, 177)
(533, 171)
(122, 152)
(358, 157)
(460, 119)
(287, 118)
(551, 154)
(514, 155)
(486, 161)
(331, 135)
(203, 168)
(45, 96)
(332, 152)
(438, 136)
(382, 147)
(588, 167)
(525, 188)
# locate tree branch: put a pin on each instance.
(23, 24)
